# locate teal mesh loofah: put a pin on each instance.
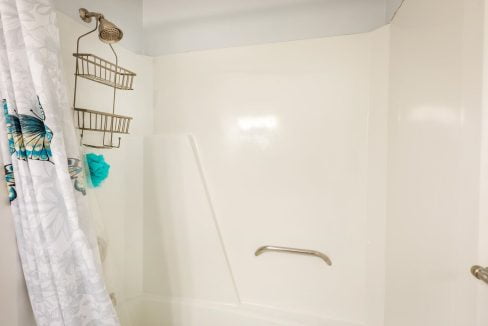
(98, 168)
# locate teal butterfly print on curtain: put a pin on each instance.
(9, 177)
(28, 137)
(15, 129)
(10, 136)
(14, 134)
(36, 135)
(76, 173)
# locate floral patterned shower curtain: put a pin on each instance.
(44, 173)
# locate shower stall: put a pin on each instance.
(326, 181)
(368, 148)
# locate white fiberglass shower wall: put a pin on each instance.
(269, 145)
(436, 224)
(324, 144)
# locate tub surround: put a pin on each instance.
(290, 137)
(309, 144)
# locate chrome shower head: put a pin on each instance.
(108, 32)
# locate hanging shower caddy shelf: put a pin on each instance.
(91, 120)
(95, 68)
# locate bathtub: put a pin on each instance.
(151, 310)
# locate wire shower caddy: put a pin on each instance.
(95, 68)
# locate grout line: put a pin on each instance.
(201, 170)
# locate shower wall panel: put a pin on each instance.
(292, 141)
(434, 164)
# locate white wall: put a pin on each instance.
(291, 138)
(434, 157)
(482, 294)
(118, 204)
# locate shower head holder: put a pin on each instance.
(87, 16)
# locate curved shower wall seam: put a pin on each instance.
(201, 170)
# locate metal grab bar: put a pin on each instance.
(307, 252)
(480, 273)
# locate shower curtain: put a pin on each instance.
(44, 174)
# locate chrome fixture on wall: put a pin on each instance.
(307, 252)
(481, 273)
(108, 32)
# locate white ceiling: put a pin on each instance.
(156, 12)
(157, 27)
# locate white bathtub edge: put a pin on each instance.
(134, 310)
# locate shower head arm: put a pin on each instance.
(87, 16)
(83, 35)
